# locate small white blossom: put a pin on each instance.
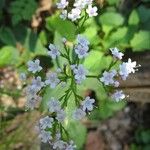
(46, 122)
(52, 80)
(91, 11)
(54, 105)
(81, 51)
(32, 102)
(45, 136)
(108, 77)
(82, 40)
(59, 145)
(61, 115)
(62, 4)
(31, 91)
(54, 52)
(118, 95)
(74, 14)
(37, 84)
(116, 53)
(126, 68)
(88, 104)
(63, 14)
(34, 66)
(70, 146)
(79, 114)
(80, 73)
(22, 76)
(80, 4)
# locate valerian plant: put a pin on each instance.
(70, 75)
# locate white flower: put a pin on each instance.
(32, 102)
(54, 52)
(80, 4)
(31, 91)
(22, 76)
(81, 51)
(63, 14)
(116, 53)
(46, 122)
(59, 145)
(54, 105)
(37, 84)
(62, 4)
(34, 66)
(118, 95)
(88, 104)
(52, 80)
(131, 66)
(80, 73)
(91, 11)
(126, 68)
(61, 115)
(78, 114)
(82, 40)
(74, 14)
(88, 2)
(45, 136)
(70, 146)
(108, 77)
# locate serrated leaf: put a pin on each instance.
(133, 18)
(8, 56)
(141, 41)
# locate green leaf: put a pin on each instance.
(133, 18)
(113, 19)
(33, 44)
(77, 133)
(113, 2)
(108, 108)
(66, 28)
(144, 13)
(116, 38)
(92, 61)
(8, 56)
(141, 41)
(7, 36)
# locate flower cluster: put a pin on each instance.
(76, 74)
(69, 76)
(79, 6)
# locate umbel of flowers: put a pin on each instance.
(70, 75)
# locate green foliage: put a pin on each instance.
(8, 56)
(77, 133)
(142, 140)
(106, 20)
(141, 41)
(22, 10)
(106, 109)
(65, 28)
(133, 18)
(7, 37)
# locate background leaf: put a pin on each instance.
(141, 41)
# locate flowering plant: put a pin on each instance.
(70, 76)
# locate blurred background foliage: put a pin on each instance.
(28, 26)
